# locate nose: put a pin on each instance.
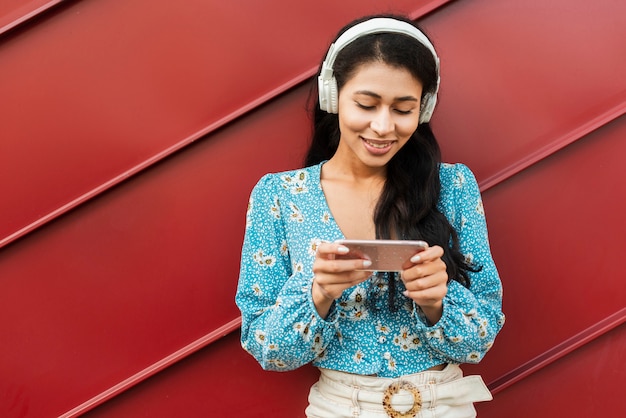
(382, 123)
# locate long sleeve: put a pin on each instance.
(471, 317)
(280, 325)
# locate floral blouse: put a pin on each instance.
(287, 217)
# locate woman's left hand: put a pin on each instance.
(426, 282)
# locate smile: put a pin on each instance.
(378, 145)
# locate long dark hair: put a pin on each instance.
(407, 207)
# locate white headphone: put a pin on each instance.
(327, 84)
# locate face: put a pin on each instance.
(378, 112)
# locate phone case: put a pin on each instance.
(385, 255)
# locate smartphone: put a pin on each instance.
(385, 255)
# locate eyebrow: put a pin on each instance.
(378, 96)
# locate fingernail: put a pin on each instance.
(416, 258)
(367, 263)
(343, 250)
(406, 293)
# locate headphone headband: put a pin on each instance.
(328, 94)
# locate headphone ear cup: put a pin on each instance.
(333, 96)
(328, 95)
(427, 107)
(322, 92)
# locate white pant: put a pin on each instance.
(444, 393)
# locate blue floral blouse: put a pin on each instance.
(286, 219)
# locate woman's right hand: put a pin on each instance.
(333, 275)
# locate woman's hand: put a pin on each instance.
(333, 276)
(426, 282)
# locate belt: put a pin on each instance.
(402, 398)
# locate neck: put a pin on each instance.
(354, 172)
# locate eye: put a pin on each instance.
(364, 107)
(404, 112)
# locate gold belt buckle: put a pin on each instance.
(393, 389)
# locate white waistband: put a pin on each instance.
(434, 387)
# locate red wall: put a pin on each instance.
(131, 134)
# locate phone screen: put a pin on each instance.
(385, 255)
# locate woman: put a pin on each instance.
(386, 344)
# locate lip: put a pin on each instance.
(377, 146)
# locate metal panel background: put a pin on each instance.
(563, 219)
(525, 77)
(120, 283)
(15, 12)
(219, 381)
(100, 89)
(103, 286)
